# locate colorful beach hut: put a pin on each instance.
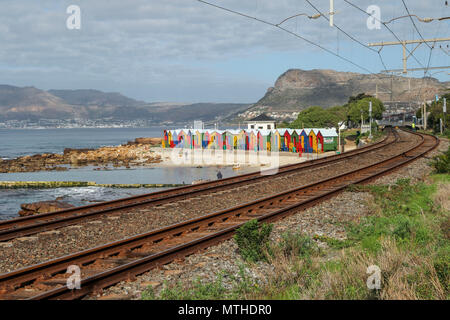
(253, 140)
(330, 139)
(181, 138)
(313, 139)
(304, 140)
(172, 138)
(225, 141)
(319, 141)
(216, 140)
(275, 140)
(294, 140)
(190, 139)
(285, 139)
(205, 139)
(165, 142)
(264, 139)
(198, 138)
(242, 140)
(228, 140)
(267, 138)
(233, 138)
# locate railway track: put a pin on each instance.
(25, 226)
(125, 259)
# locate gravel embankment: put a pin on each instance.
(418, 169)
(41, 247)
(325, 218)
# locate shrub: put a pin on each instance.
(441, 163)
(295, 243)
(252, 240)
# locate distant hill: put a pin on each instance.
(95, 98)
(30, 103)
(298, 89)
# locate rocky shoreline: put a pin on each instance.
(134, 153)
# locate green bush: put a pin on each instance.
(252, 240)
(441, 163)
(296, 243)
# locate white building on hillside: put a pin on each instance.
(261, 122)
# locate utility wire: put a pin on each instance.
(336, 26)
(315, 44)
(315, 16)
(377, 76)
(287, 31)
(426, 20)
(349, 36)
(414, 24)
(384, 24)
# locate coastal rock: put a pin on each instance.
(29, 209)
(129, 154)
(150, 141)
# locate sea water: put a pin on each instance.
(20, 142)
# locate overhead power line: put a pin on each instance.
(426, 19)
(314, 16)
(287, 31)
(389, 29)
(348, 35)
(377, 76)
(415, 27)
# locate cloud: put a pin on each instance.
(170, 43)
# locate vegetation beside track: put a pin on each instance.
(406, 235)
(441, 163)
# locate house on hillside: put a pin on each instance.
(261, 122)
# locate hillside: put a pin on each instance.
(33, 104)
(28, 102)
(95, 98)
(298, 89)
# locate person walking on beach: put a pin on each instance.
(219, 175)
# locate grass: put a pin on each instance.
(348, 132)
(406, 235)
(242, 284)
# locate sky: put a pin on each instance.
(188, 51)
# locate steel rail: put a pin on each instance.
(129, 270)
(25, 226)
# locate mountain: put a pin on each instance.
(298, 89)
(95, 98)
(207, 112)
(33, 104)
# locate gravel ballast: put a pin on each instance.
(324, 219)
(104, 229)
